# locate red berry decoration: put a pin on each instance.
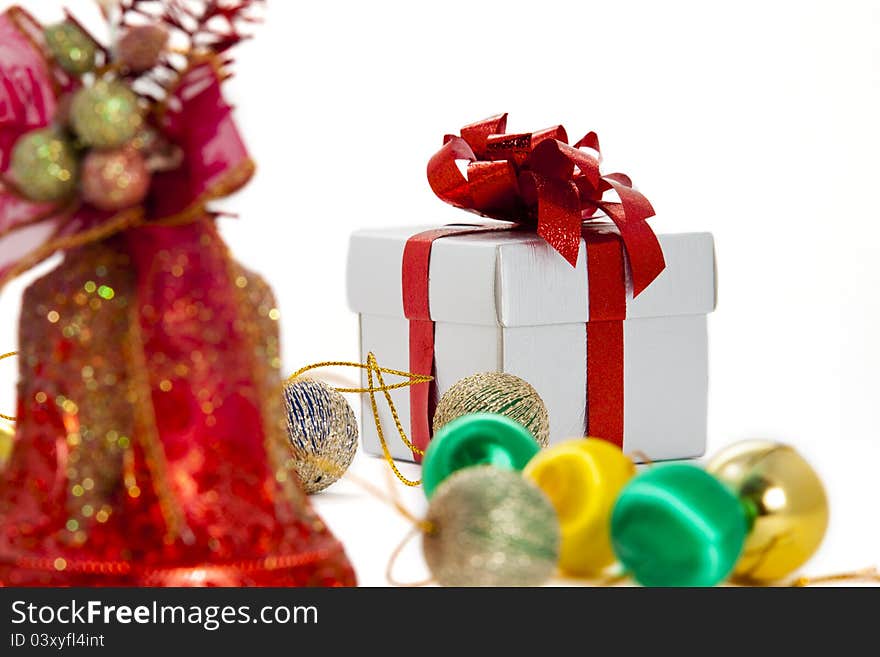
(141, 46)
(115, 179)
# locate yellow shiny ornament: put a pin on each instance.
(7, 434)
(785, 500)
(582, 478)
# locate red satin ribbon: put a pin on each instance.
(417, 309)
(537, 179)
(607, 297)
(607, 300)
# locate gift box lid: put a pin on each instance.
(516, 279)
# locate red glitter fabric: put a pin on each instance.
(150, 446)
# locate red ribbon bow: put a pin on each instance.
(538, 178)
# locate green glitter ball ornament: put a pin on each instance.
(323, 432)
(677, 525)
(72, 48)
(500, 393)
(106, 115)
(490, 527)
(44, 166)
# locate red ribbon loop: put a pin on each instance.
(538, 179)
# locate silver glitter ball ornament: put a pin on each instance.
(490, 527)
(323, 432)
(500, 393)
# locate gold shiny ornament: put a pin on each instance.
(490, 527)
(500, 393)
(323, 432)
(141, 46)
(786, 501)
(44, 166)
(7, 435)
(115, 179)
(106, 115)
(72, 48)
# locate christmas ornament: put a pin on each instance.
(786, 503)
(72, 48)
(476, 439)
(106, 115)
(44, 166)
(114, 179)
(7, 435)
(323, 431)
(677, 525)
(582, 479)
(141, 46)
(375, 384)
(150, 359)
(490, 527)
(495, 392)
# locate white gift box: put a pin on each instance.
(507, 301)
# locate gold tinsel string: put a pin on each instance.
(866, 575)
(374, 370)
(10, 418)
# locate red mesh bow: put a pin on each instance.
(539, 179)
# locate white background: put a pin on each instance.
(757, 121)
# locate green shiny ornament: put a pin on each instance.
(106, 115)
(476, 439)
(44, 167)
(677, 525)
(72, 48)
(490, 527)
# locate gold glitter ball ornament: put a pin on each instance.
(7, 435)
(72, 48)
(496, 392)
(44, 166)
(323, 432)
(141, 46)
(106, 115)
(785, 500)
(490, 527)
(115, 179)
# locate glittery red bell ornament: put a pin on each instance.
(150, 447)
(150, 444)
(141, 46)
(114, 179)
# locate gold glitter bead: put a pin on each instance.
(106, 115)
(322, 430)
(7, 436)
(490, 527)
(44, 166)
(72, 48)
(500, 393)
